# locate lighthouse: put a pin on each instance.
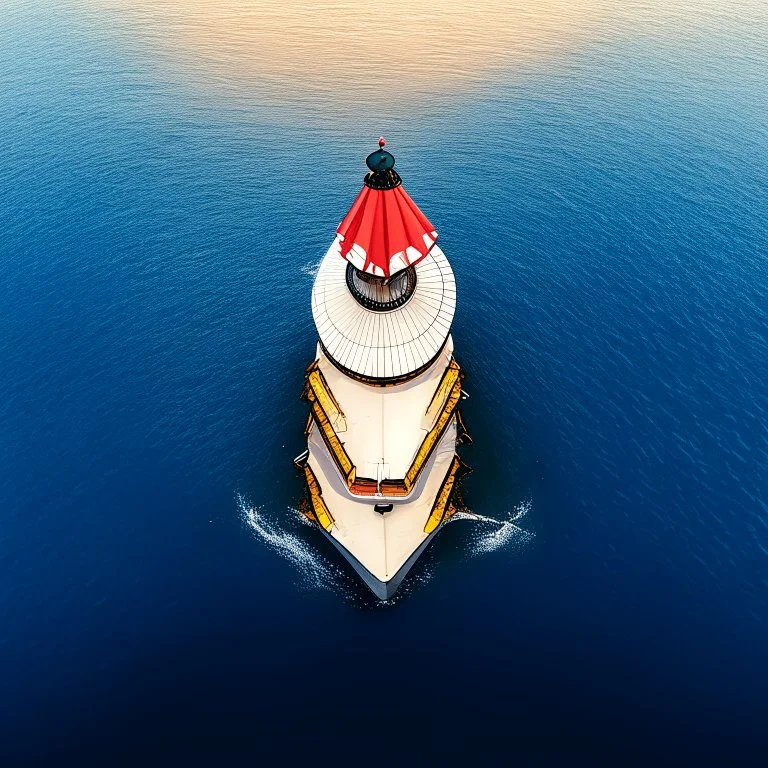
(381, 465)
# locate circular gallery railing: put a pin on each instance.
(377, 293)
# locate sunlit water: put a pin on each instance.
(170, 175)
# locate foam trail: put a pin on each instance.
(316, 571)
(503, 533)
(311, 268)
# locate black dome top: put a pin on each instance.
(380, 160)
(382, 164)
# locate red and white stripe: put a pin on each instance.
(384, 232)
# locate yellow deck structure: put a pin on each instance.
(329, 417)
(382, 468)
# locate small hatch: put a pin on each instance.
(382, 508)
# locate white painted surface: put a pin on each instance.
(385, 426)
(384, 344)
(381, 543)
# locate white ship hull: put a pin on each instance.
(384, 389)
(402, 441)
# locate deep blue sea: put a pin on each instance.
(171, 172)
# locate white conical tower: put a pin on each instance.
(384, 389)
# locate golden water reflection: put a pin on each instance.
(363, 56)
(357, 50)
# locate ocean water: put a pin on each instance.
(170, 175)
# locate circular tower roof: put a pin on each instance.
(384, 345)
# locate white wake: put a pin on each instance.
(316, 571)
(311, 268)
(311, 565)
(492, 534)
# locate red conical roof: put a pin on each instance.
(384, 231)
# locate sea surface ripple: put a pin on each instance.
(170, 174)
